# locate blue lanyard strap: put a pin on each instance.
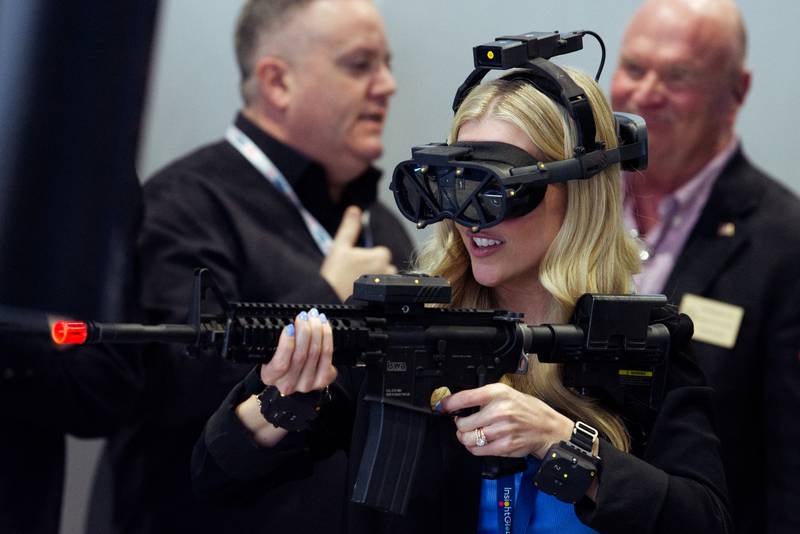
(516, 499)
(506, 501)
(264, 165)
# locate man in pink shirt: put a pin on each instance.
(720, 238)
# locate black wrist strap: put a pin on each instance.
(293, 412)
(569, 467)
(583, 436)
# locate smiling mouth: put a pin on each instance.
(484, 242)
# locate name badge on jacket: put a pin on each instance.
(715, 322)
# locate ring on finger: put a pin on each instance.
(480, 437)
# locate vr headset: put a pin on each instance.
(480, 184)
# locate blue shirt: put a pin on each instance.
(529, 511)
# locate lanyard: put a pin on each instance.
(264, 165)
(516, 497)
(506, 493)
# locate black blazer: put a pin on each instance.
(676, 485)
(758, 381)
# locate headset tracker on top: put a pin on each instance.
(478, 185)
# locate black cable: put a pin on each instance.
(602, 56)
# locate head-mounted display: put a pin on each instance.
(480, 184)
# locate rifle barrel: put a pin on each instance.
(90, 332)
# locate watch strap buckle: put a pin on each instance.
(584, 436)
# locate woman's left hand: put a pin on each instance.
(513, 423)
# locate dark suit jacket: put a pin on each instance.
(758, 381)
(675, 485)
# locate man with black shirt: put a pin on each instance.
(259, 209)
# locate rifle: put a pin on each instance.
(410, 346)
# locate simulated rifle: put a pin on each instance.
(410, 345)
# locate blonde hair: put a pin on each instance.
(592, 252)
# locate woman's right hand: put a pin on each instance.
(302, 362)
(303, 359)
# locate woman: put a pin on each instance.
(539, 263)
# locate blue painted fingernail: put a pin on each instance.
(289, 330)
(303, 316)
(313, 312)
(323, 318)
(438, 407)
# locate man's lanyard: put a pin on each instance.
(264, 165)
(513, 509)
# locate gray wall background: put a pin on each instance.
(193, 92)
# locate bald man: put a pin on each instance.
(722, 239)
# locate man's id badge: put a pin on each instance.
(715, 322)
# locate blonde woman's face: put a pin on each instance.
(507, 256)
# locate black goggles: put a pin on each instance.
(477, 184)
(480, 184)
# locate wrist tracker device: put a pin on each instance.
(569, 467)
(293, 412)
